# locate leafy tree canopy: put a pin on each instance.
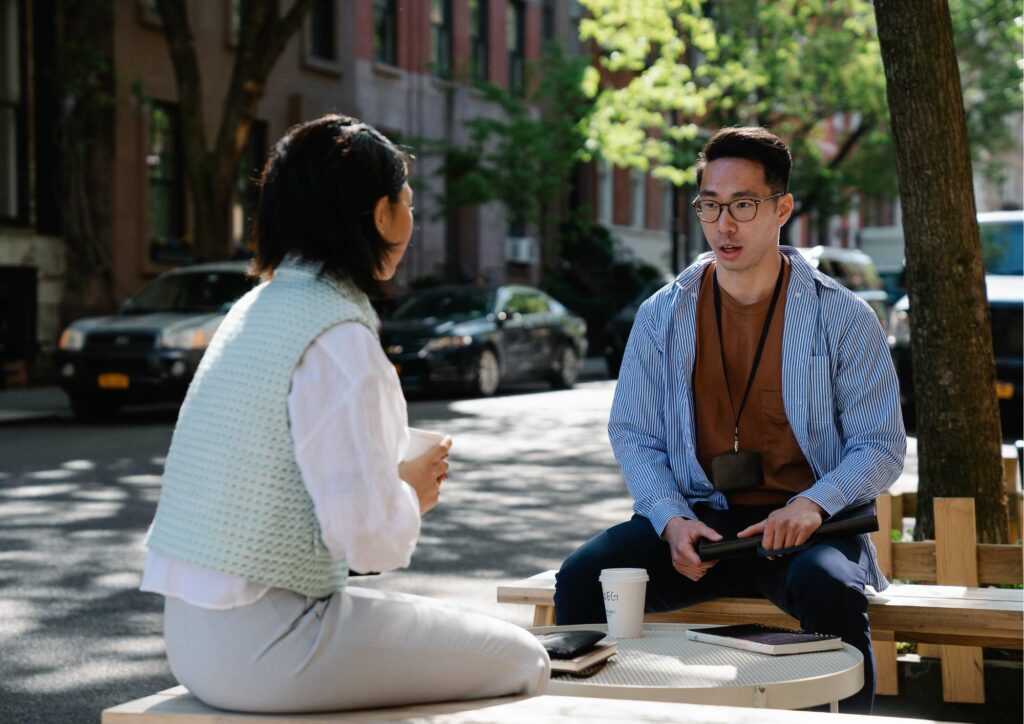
(810, 70)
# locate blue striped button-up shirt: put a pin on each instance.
(839, 390)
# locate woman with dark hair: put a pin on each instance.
(284, 469)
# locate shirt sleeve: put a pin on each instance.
(867, 408)
(349, 428)
(636, 429)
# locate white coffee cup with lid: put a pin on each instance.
(624, 592)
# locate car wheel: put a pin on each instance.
(89, 408)
(567, 368)
(487, 375)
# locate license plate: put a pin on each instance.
(398, 369)
(113, 381)
(1004, 390)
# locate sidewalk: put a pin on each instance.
(33, 404)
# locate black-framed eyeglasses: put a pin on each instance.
(741, 210)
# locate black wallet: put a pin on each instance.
(569, 644)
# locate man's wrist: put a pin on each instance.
(809, 505)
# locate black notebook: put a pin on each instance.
(765, 639)
(851, 521)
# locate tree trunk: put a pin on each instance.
(214, 189)
(954, 371)
(211, 172)
(84, 84)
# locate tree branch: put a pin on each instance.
(811, 199)
(174, 14)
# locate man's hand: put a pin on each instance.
(787, 527)
(682, 536)
(426, 473)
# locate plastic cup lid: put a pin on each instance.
(624, 575)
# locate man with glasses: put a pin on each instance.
(756, 397)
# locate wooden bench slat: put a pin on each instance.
(997, 563)
(177, 705)
(957, 615)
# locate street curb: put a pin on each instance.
(14, 417)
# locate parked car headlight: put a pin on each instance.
(188, 338)
(71, 340)
(899, 327)
(439, 343)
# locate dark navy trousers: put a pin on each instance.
(822, 586)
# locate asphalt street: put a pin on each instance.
(532, 476)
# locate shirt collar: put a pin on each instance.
(803, 273)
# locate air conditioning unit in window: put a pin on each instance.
(521, 249)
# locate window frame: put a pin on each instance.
(384, 52)
(515, 30)
(441, 45)
(19, 114)
(331, 63)
(180, 251)
(479, 41)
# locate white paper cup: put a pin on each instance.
(624, 591)
(421, 441)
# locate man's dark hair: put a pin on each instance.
(317, 196)
(754, 144)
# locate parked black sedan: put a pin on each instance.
(477, 338)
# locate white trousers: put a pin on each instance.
(357, 649)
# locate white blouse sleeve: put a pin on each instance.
(349, 427)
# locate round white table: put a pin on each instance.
(663, 665)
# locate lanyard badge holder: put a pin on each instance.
(735, 470)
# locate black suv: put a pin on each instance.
(150, 349)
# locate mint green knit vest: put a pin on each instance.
(233, 499)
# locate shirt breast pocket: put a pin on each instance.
(821, 409)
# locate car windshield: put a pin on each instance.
(1002, 247)
(190, 292)
(450, 304)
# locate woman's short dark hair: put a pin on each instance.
(754, 144)
(317, 195)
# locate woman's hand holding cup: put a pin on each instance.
(426, 472)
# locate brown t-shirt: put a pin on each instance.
(764, 427)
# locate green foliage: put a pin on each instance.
(988, 36)
(522, 155)
(794, 66)
(589, 280)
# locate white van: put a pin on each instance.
(1002, 250)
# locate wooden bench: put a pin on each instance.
(177, 705)
(954, 613)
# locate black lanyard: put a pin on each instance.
(757, 355)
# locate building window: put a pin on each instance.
(247, 191)
(321, 32)
(515, 28)
(12, 165)
(547, 21)
(639, 199)
(478, 46)
(574, 45)
(441, 37)
(605, 193)
(385, 26)
(166, 186)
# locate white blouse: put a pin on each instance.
(349, 427)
